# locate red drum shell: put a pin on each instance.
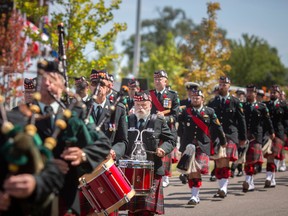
(140, 174)
(106, 188)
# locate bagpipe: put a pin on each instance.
(62, 60)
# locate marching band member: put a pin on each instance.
(82, 87)
(230, 113)
(76, 153)
(25, 193)
(29, 89)
(190, 87)
(278, 111)
(161, 142)
(115, 125)
(111, 94)
(257, 117)
(198, 122)
(133, 86)
(165, 100)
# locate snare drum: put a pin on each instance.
(106, 189)
(140, 174)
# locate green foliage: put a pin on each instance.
(155, 32)
(254, 61)
(165, 57)
(205, 58)
(84, 22)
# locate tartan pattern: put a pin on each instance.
(277, 146)
(254, 153)
(203, 160)
(175, 157)
(286, 143)
(153, 203)
(231, 150)
(167, 162)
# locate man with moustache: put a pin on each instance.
(158, 140)
(230, 113)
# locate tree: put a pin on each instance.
(165, 57)
(83, 21)
(15, 53)
(254, 61)
(204, 60)
(155, 32)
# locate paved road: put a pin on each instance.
(261, 202)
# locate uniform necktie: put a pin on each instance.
(159, 96)
(223, 102)
(99, 111)
(48, 110)
(141, 124)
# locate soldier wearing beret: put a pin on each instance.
(29, 89)
(257, 117)
(159, 140)
(278, 111)
(230, 113)
(198, 122)
(165, 103)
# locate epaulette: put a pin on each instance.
(172, 91)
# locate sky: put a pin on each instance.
(266, 19)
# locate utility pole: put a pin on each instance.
(137, 45)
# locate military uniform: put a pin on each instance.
(278, 111)
(49, 180)
(197, 125)
(166, 100)
(230, 114)
(95, 147)
(257, 117)
(160, 137)
(114, 127)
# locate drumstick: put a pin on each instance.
(151, 152)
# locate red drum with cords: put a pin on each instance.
(106, 188)
(140, 174)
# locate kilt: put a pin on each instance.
(203, 160)
(231, 150)
(286, 143)
(167, 162)
(175, 156)
(277, 146)
(154, 202)
(254, 153)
